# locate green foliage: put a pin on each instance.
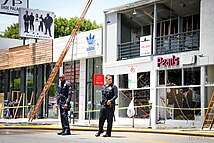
(53, 90)
(29, 83)
(17, 83)
(62, 27)
(11, 32)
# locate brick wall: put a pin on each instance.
(28, 55)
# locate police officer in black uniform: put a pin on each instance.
(63, 103)
(109, 94)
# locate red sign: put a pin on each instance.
(174, 61)
(98, 79)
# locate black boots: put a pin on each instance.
(98, 134)
(64, 132)
(67, 132)
(106, 135)
(60, 133)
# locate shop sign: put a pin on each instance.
(98, 79)
(91, 42)
(166, 62)
(12, 6)
(145, 45)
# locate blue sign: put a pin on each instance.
(91, 42)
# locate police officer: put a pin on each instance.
(63, 103)
(109, 94)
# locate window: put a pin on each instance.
(162, 77)
(29, 84)
(123, 81)
(187, 23)
(93, 93)
(179, 98)
(191, 23)
(1, 81)
(15, 80)
(143, 79)
(174, 26)
(192, 76)
(196, 22)
(174, 77)
(142, 96)
(72, 72)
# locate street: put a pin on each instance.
(50, 136)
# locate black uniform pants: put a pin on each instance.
(64, 119)
(106, 113)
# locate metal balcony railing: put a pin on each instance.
(129, 50)
(180, 42)
(185, 41)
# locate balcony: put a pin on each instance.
(174, 43)
(129, 50)
(181, 42)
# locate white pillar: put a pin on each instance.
(155, 29)
(60, 73)
(203, 92)
(153, 77)
(82, 89)
(153, 97)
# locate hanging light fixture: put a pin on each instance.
(134, 12)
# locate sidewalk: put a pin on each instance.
(54, 124)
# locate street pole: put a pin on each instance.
(134, 109)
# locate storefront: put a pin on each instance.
(160, 57)
(79, 66)
(24, 71)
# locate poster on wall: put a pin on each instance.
(35, 23)
(132, 76)
(145, 45)
(11, 7)
(98, 79)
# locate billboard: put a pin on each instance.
(35, 23)
(12, 6)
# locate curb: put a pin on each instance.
(114, 130)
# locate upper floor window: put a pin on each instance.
(177, 35)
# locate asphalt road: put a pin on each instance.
(50, 136)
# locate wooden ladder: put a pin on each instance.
(58, 63)
(209, 117)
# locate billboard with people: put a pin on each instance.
(36, 24)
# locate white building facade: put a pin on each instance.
(160, 52)
(83, 60)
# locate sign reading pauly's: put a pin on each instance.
(166, 62)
